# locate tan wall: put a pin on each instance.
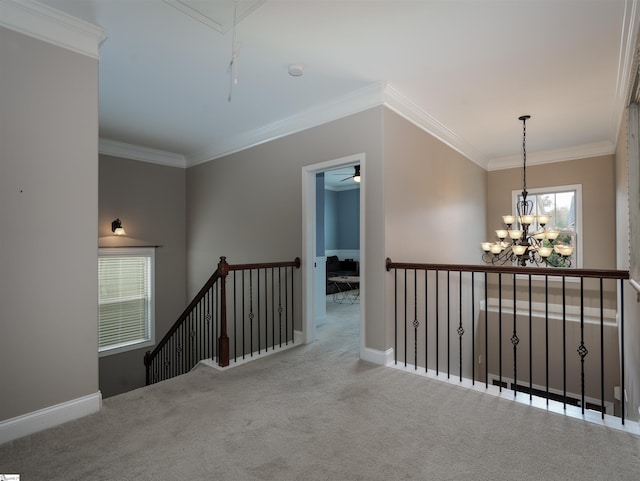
(631, 340)
(48, 206)
(150, 201)
(435, 205)
(435, 198)
(247, 206)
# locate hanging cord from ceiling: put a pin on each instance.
(233, 63)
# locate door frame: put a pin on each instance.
(309, 240)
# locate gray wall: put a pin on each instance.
(48, 205)
(248, 206)
(149, 199)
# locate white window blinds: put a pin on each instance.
(125, 280)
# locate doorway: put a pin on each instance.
(313, 277)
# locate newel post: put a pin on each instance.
(147, 364)
(223, 340)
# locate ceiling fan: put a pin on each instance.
(355, 176)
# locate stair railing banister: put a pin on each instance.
(201, 331)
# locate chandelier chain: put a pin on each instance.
(524, 156)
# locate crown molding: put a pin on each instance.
(550, 156)
(627, 63)
(373, 95)
(52, 26)
(144, 154)
(358, 101)
(406, 108)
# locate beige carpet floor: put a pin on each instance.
(316, 412)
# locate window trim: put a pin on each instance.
(131, 252)
(515, 194)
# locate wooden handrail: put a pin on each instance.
(537, 271)
(265, 265)
(220, 274)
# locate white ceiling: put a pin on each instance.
(464, 70)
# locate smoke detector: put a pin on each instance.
(296, 69)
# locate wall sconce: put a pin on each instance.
(116, 227)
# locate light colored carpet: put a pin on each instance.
(318, 413)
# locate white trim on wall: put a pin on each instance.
(577, 152)
(138, 152)
(49, 417)
(382, 358)
(309, 242)
(52, 26)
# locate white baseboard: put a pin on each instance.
(49, 417)
(377, 357)
(213, 363)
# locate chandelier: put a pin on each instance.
(526, 238)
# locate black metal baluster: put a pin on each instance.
(266, 312)
(199, 329)
(244, 319)
(192, 338)
(564, 344)
(486, 331)
(286, 323)
(280, 303)
(235, 317)
(206, 333)
(473, 329)
(258, 310)
(601, 351)
(582, 350)
(405, 318)
(216, 318)
(546, 333)
(460, 328)
(174, 356)
(395, 315)
(273, 308)
(622, 392)
(251, 314)
(448, 324)
(426, 321)
(500, 330)
(515, 341)
(211, 324)
(437, 323)
(415, 319)
(530, 343)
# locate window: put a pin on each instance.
(125, 299)
(563, 204)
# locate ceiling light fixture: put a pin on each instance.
(356, 175)
(527, 239)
